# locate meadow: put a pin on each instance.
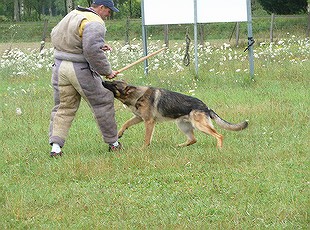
(259, 180)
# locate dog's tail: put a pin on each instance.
(227, 125)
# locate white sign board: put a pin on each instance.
(162, 12)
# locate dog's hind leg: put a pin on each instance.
(203, 123)
(187, 128)
(133, 121)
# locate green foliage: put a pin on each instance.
(284, 6)
(131, 9)
(6, 9)
(3, 18)
(117, 29)
(36, 10)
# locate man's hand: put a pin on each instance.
(112, 75)
(106, 48)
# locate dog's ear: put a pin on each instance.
(130, 89)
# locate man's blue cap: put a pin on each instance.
(106, 3)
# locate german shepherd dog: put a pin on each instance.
(151, 105)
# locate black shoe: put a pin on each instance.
(54, 154)
(113, 148)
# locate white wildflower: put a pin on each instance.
(18, 111)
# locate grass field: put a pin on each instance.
(259, 180)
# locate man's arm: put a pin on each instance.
(93, 48)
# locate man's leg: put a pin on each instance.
(67, 101)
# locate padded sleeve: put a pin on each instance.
(93, 41)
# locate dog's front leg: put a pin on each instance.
(133, 121)
(149, 129)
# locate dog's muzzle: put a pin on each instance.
(109, 85)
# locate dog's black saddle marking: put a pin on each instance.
(172, 104)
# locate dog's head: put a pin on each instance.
(120, 89)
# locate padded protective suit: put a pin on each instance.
(79, 61)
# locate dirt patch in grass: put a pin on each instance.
(24, 46)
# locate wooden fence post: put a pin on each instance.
(166, 35)
(237, 33)
(308, 27)
(44, 34)
(271, 27)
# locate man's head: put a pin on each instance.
(106, 3)
(104, 7)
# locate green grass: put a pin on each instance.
(259, 180)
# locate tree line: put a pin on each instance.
(34, 10)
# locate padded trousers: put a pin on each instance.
(72, 81)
